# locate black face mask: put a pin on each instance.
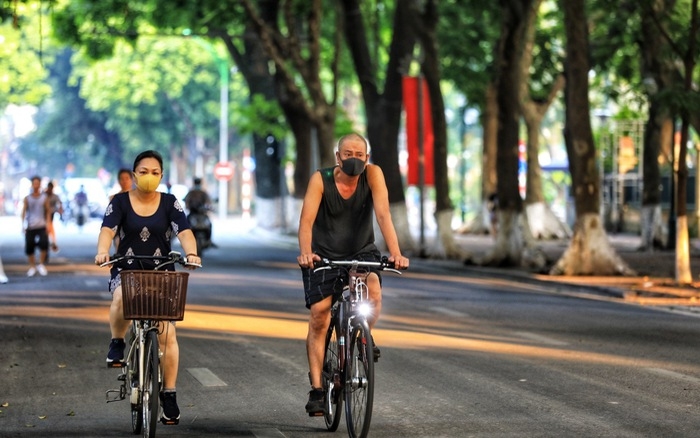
(352, 166)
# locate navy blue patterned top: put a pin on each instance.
(143, 235)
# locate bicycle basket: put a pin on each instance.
(154, 294)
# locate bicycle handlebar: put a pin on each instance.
(383, 265)
(172, 258)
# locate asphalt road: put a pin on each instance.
(462, 354)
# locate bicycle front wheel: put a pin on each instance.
(331, 379)
(359, 382)
(132, 374)
(151, 386)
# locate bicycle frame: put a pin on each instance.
(143, 355)
(349, 358)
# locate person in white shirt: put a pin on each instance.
(35, 217)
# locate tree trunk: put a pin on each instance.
(426, 22)
(659, 73)
(589, 252)
(509, 240)
(542, 221)
(383, 110)
(481, 224)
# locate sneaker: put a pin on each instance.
(41, 269)
(31, 272)
(115, 357)
(3, 279)
(377, 352)
(171, 413)
(315, 406)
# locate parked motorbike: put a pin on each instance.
(201, 227)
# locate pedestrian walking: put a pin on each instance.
(35, 216)
(56, 206)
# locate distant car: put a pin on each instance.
(96, 194)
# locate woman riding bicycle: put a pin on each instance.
(336, 222)
(145, 220)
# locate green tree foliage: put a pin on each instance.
(22, 77)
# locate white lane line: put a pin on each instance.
(539, 338)
(206, 377)
(669, 373)
(91, 282)
(448, 312)
(267, 433)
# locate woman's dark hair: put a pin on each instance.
(148, 154)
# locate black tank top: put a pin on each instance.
(343, 227)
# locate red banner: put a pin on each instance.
(412, 101)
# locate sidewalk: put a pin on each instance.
(653, 286)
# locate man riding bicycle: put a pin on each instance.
(336, 223)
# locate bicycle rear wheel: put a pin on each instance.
(151, 386)
(331, 379)
(359, 382)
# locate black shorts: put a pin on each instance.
(330, 282)
(34, 238)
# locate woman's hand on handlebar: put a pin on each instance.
(192, 261)
(101, 257)
(307, 260)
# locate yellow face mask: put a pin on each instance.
(147, 182)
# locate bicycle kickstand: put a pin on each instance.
(115, 395)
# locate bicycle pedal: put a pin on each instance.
(316, 414)
(173, 422)
(115, 364)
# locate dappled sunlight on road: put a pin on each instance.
(217, 322)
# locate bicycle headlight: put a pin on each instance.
(365, 309)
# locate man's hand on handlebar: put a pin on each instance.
(400, 262)
(307, 260)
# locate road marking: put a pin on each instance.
(267, 433)
(91, 282)
(206, 377)
(539, 338)
(448, 312)
(669, 373)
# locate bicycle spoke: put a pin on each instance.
(331, 380)
(151, 387)
(359, 386)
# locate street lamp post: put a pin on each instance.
(222, 65)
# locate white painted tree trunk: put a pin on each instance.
(683, 273)
(480, 224)
(444, 246)
(654, 231)
(507, 249)
(590, 252)
(399, 216)
(544, 224)
(269, 214)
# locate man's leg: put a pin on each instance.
(319, 319)
(375, 297)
